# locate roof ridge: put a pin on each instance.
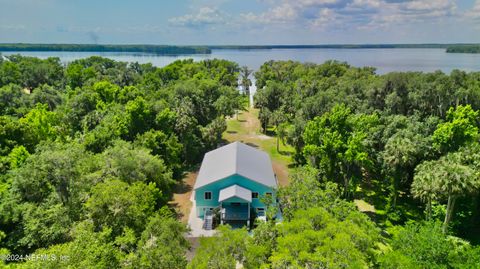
(236, 156)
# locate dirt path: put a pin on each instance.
(181, 196)
(247, 130)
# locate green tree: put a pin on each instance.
(221, 251)
(57, 168)
(282, 132)
(40, 123)
(419, 245)
(447, 178)
(162, 244)
(11, 99)
(335, 144)
(229, 104)
(46, 95)
(132, 164)
(278, 118)
(260, 245)
(167, 147)
(43, 225)
(103, 127)
(118, 205)
(245, 80)
(316, 239)
(139, 117)
(9, 73)
(18, 156)
(400, 156)
(212, 133)
(89, 249)
(424, 185)
(107, 91)
(461, 127)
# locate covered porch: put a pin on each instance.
(235, 202)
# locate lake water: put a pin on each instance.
(385, 60)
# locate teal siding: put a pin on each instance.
(215, 188)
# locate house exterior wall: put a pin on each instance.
(216, 186)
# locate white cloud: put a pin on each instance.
(316, 2)
(326, 17)
(422, 5)
(283, 13)
(474, 13)
(365, 3)
(205, 16)
(361, 14)
(287, 11)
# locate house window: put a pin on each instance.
(255, 195)
(268, 194)
(235, 204)
(261, 211)
(208, 195)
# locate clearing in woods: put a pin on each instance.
(245, 129)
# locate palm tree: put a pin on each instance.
(245, 81)
(282, 131)
(456, 180)
(445, 178)
(423, 185)
(399, 158)
(277, 118)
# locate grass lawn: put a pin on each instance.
(247, 129)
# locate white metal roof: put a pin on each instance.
(236, 158)
(235, 191)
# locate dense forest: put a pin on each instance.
(156, 49)
(90, 152)
(406, 143)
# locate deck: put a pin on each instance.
(235, 212)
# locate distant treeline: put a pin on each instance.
(157, 49)
(339, 46)
(464, 49)
(175, 50)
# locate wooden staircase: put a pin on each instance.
(208, 222)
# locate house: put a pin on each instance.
(233, 178)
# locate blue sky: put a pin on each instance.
(202, 22)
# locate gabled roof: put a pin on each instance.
(236, 158)
(235, 191)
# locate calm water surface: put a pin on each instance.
(385, 60)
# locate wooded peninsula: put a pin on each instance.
(464, 49)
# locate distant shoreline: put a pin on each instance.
(153, 49)
(342, 46)
(207, 49)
